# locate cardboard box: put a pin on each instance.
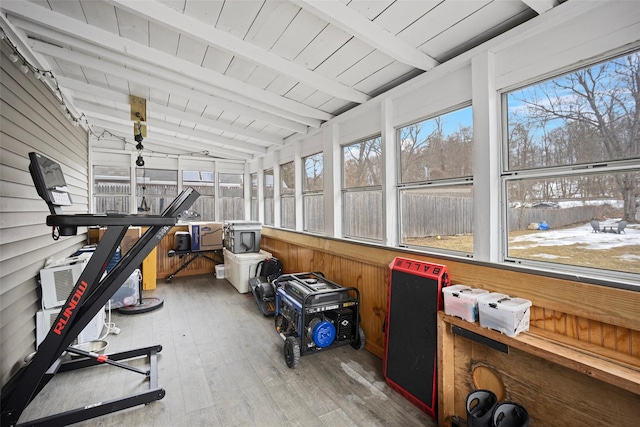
(205, 236)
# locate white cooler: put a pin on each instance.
(239, 268)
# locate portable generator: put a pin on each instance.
(314, 314)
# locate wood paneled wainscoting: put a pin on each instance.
(596, 328)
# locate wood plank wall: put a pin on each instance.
(32, 120)
(603, 316)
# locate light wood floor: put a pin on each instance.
(222, 365)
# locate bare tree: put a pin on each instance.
(601, 101)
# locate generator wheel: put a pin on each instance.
(360, 340)
(292, 352)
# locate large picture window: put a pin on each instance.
(268, 197)
(203, 182)
(231, 191)
(155, 189)
(254, 197)
(362, 190)
(287, 196)
(574, 142)
(111, 189)
(313, 193)
(435, 187)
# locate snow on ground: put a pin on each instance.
(582, 235)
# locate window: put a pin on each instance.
(362, 190)
(231, 193)
(287, 196)
(573, 141)
(201, 181)
(254, 197)
(313, 193)
(268, 197)
(111, 189)
(155, 189)
(435, 188)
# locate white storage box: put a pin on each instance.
(239, 268)
(462, 301)
(503, 313)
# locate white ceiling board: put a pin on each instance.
(251, 71)
(236, 16)
(370, 8)
(205, 11)
(443, 16)
(191, 50)
(299, 33)
(262, 77)
(227, 41)
(217, 60)
(71, 9)
(133, 27)
(273, 19)
(474, 29)
(400, 15)
(185, 68)
(328, 41)
(100, 14)
(370, 32)
(240, 69)
(163, 39)
(143, 78)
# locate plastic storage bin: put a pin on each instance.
(462, 301)
(503, 313)
(239, 268)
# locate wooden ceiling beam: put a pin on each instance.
(165, 85)
(122, 97)
(132, 52)
(170, 18)
(352, 22)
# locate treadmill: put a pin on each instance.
(89, 295)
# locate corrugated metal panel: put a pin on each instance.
(32, 120)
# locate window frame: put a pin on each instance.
(575, 170)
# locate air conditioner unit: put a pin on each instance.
(58, 279)
(46, 318)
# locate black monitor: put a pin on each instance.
(49, 181)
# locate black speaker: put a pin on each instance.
(182, 241)
(415, 296)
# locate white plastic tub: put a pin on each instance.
(462, 301)
(509, 315)
(239, 268)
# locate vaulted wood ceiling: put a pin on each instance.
(232, 79)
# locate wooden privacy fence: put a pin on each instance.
(428, 215)
(520, 218)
